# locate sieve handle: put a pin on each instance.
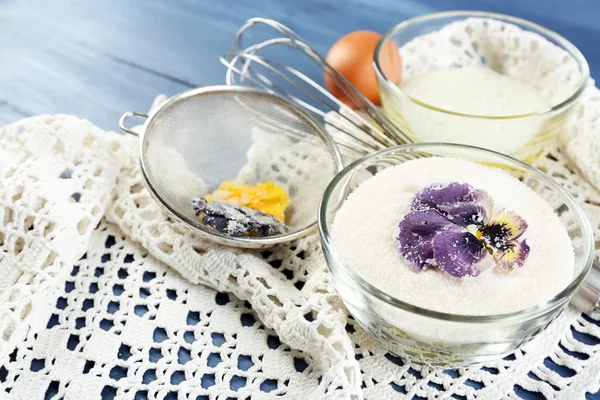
(124, 117)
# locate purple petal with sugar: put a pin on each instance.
(516, 254)
(465, 214)
(459, 253)
(218, 223)
(236, 220)
(438, 195)
(417, 232)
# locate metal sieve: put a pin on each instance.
(197, 139)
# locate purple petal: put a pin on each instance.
(218, 223)
(236, 220)
(484, 200)
(416, 235)
(465, 214)
(523, 253)
(460, 254)
(442, 194)
(516, 254)
(449, 199)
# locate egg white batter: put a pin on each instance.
(473, 90)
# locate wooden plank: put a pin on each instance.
(97, 59)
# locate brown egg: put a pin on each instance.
(352, 56)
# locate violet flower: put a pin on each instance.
(236, 220)
(451, 227)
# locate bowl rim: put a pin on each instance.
(524, 314)
(567, 45)
(202, 230)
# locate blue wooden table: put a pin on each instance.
(97, 59)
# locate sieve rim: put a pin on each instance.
(195, 225)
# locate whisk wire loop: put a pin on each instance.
(364, 129)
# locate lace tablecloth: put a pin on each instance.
(118, 323)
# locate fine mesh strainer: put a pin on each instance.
(202, 137)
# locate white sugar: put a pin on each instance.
(364, 228)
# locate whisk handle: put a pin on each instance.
(124, 117)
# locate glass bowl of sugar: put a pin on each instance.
(482, 79)
(448, 260)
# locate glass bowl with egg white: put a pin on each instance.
(449, 260)
(481, 79)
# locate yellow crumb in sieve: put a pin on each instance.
(267, 197)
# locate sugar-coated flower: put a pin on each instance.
(236, 220)
(451, 227)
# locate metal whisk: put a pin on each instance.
(364, 130)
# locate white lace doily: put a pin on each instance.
(54, 173)
(153, 312)
(121, 324)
